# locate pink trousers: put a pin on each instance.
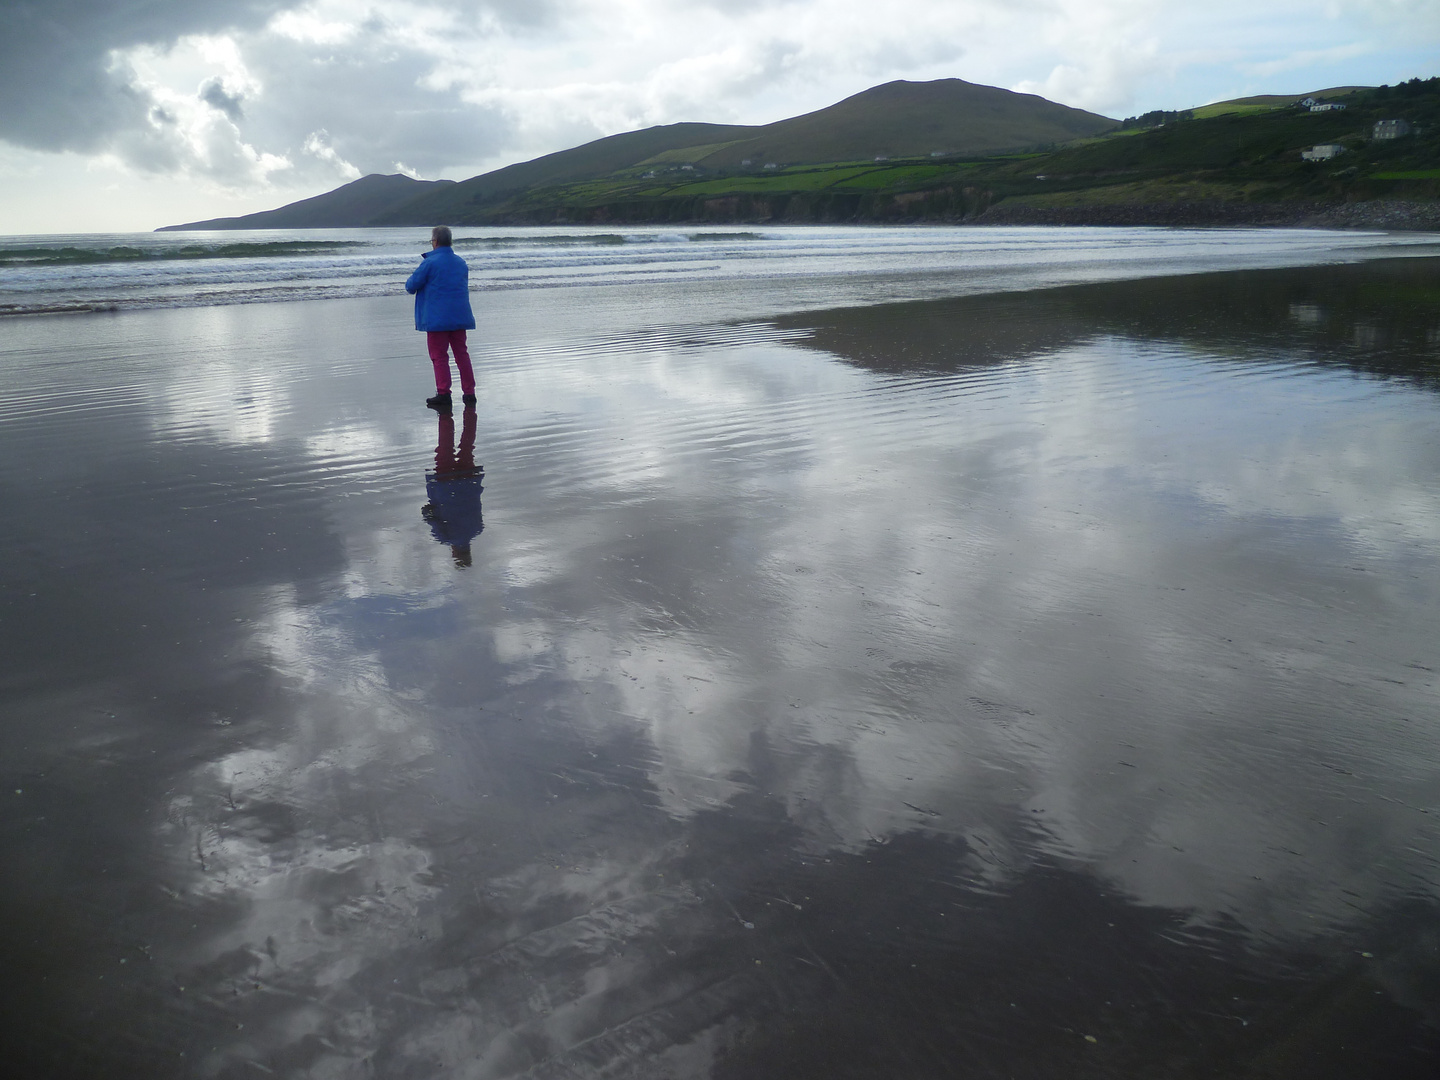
(440, 342)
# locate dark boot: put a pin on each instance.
(440, 402)
(468, 399)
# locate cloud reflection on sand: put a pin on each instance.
(1043, 549)
(776, 627)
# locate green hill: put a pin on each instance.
(907, 119)
(1240, 168)
(1263, 102)
(1245, 167)
(356, 203)
(948, 116)
(455, 205)
(952, 151)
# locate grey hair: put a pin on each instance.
(440, 234)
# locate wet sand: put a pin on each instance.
(1031, 685)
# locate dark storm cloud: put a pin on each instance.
(214, 94)
(64, 89)
(366, 97)
(55, 76)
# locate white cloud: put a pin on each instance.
(317, 144)
(1407, 17)
(311, 27)
(194, 90)
(1308, 58)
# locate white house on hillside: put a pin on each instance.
(1322, 152)
(1391, 129)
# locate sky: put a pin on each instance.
(124, 115)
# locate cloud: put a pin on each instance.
(195, 133)
(61, 87)
(318, 145)
(1408, 17)
(214, 94)
(233, 91)
(372, 94)
(1308, 58)
(1108, 53)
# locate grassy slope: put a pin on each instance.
(1263, 102)
(899, 118)
(599, 158)
(1247, 157)
(906, 119)
(1251, 157)
(357, 203)
(839, 178)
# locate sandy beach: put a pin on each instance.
(1039, 684)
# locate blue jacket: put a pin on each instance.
(441, 284)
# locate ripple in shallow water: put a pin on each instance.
(1037, 684)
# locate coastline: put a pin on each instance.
(745, 271)
(951, 207)
(1388, 214)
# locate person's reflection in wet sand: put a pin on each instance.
(453, 511)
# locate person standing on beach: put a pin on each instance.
(441, 284)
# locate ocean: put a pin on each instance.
(122, 272)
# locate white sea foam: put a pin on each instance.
(111, 272)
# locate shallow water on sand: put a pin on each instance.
(1029, 685)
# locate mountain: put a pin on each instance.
(354, 205)
(593, 159)
(907, 119)
(947, 116)
(1235, 168)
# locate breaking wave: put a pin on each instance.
(72, 255)
(486, 243)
